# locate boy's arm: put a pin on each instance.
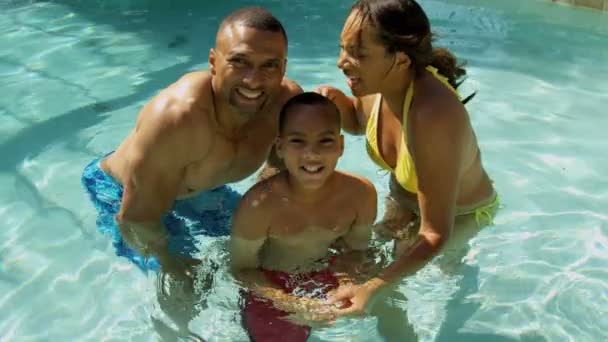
(250, 226)
(359, 236)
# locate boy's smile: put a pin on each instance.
(310, 145)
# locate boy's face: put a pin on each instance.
(310, 144)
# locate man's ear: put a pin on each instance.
(212, 61)
(284, 67)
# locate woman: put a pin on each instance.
(417, 128)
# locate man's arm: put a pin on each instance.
(274, 164)
(155, 167)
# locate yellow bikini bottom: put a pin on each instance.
(484, 209)
(484, 212)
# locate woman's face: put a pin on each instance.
(364, 61)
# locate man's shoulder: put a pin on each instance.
(192, 91)
(178, 114)
(289, 89)
(185, 102)
(194, 80)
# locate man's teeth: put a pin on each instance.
(250, 94)
(312, 168)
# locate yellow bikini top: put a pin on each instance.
(404, 170)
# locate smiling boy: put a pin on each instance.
(285, 226)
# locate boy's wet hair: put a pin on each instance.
(254, 17)
(309, 99)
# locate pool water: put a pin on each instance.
(74, 74)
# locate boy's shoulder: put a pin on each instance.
(353, 183)
(262, 193)
(358, 193)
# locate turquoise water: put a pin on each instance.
(73, 75)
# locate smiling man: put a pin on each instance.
(166, 182)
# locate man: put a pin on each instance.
(166, 182)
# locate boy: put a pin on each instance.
(285, 224)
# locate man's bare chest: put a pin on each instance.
(227, 162)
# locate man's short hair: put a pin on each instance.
(254, 17)
(310, 99)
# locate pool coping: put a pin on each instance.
(600, 5)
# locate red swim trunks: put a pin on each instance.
(264, 322)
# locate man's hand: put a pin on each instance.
(180, 268)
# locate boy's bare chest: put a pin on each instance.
(318, 224)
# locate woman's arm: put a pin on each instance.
(437, 151)
(351, 112)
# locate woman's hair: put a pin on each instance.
(403, 26)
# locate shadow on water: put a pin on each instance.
(65, 127)
(155, 23)
(460, 310)
(189, 27)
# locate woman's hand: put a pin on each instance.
(328, 91)
(351, 122)
(359, 296)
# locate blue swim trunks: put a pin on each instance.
(209, 213)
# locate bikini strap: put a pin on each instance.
(407, 103)
(441, 78)
(376, 107)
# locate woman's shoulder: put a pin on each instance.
(435, 104)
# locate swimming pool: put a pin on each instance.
(73, 75)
